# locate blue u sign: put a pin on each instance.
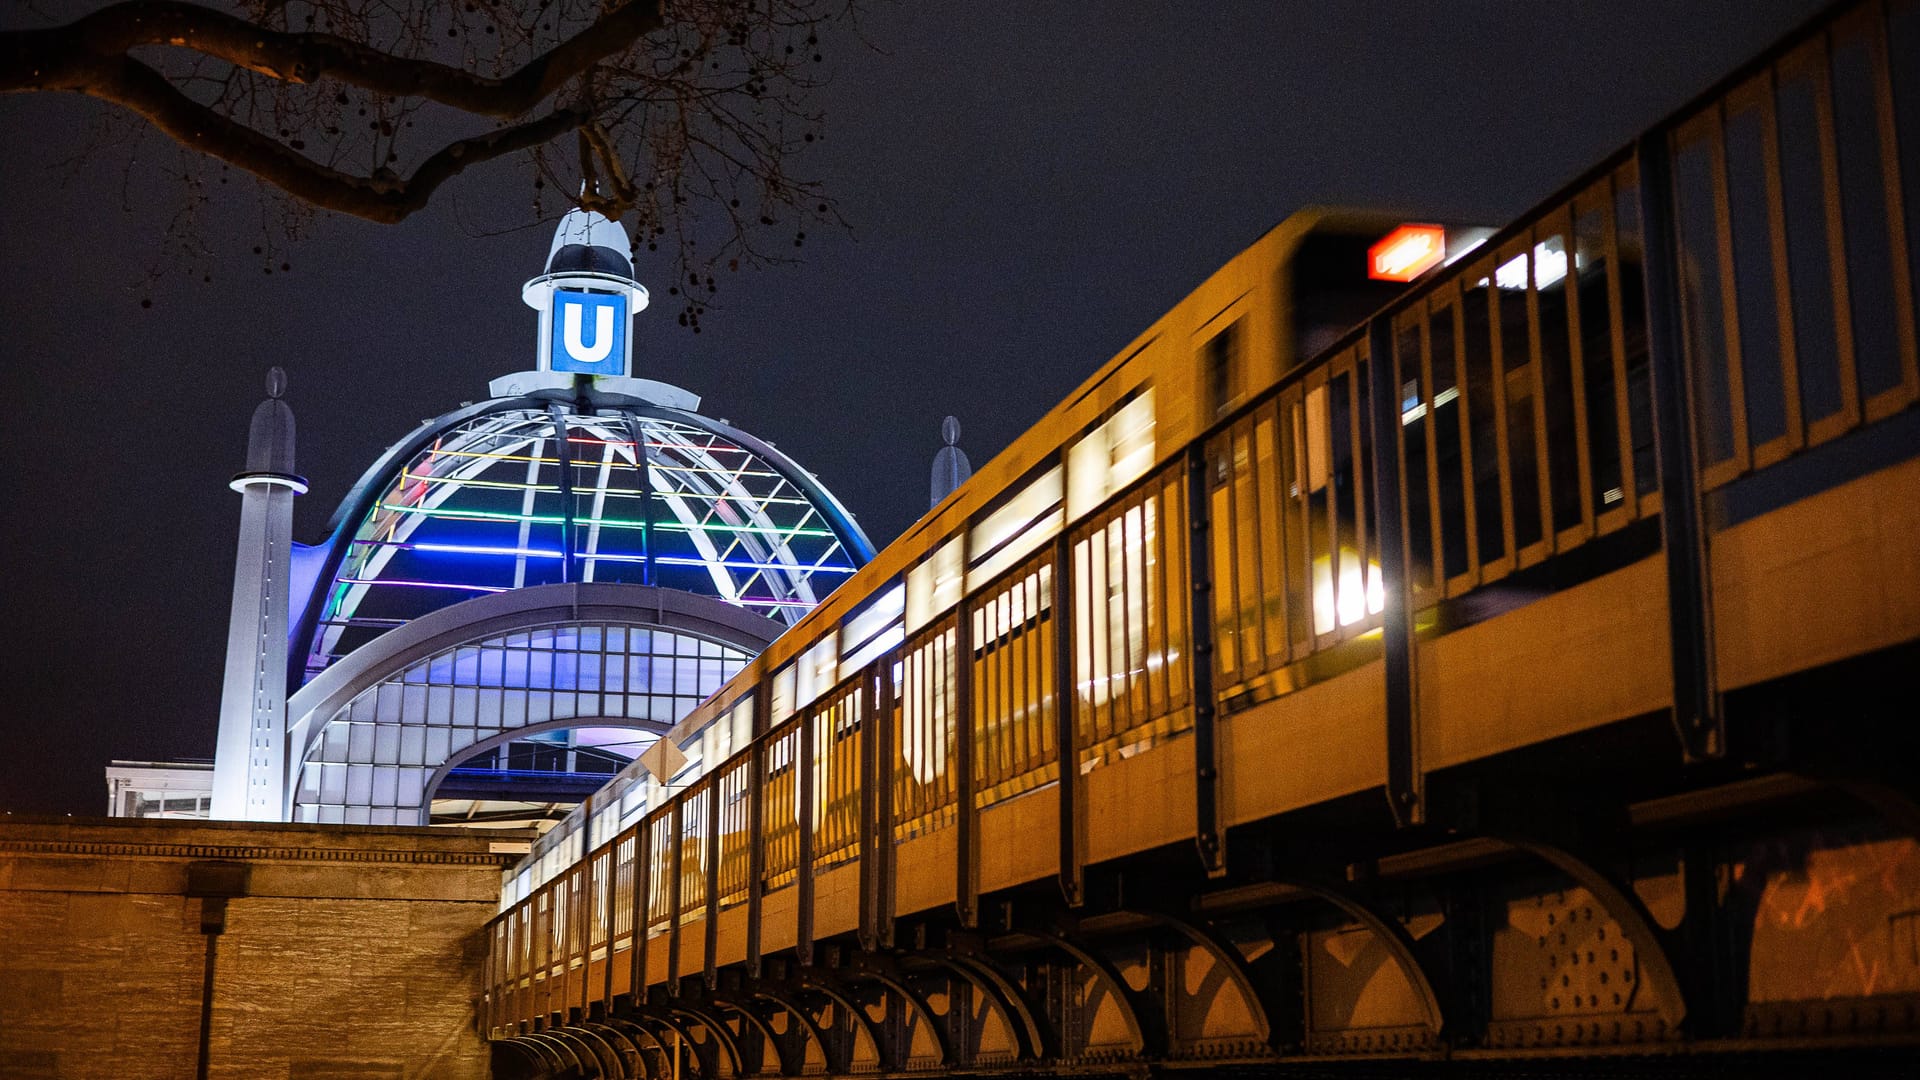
(589, 332)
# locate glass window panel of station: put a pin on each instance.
(407, 724)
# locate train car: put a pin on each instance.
(1296, 290)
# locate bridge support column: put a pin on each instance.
(1697, 715)
(967, 862)
(757, 826)
(1072, 792)
(1406, 778)
(1210, 834)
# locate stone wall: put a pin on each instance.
(341, 951)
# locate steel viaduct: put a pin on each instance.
(1525, 679)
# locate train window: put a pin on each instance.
(727, 733)
(934, 585)
(1863, 206)
(1220, 368)
(1703, 296)
(872, 630)
(782, 703)
(1022, 523)
(1111, 456)
(819, 670)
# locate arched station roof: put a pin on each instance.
(549, 488)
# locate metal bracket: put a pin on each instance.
(886, 974)
(863, 1024)
(1625, 907)
(1145, 1022)
(1391, 934)
(653, 1056)
(1228, 959)
(1036, 1041)
(768, 1039)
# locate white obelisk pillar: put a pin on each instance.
(250, 761)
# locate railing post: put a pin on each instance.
(966, 893)
(563, 949)
(1406, 778)
(1073, 851)
(709, 970)
(1209, 829)
(757, 824)
(488, 976)
(677, 848)
(1697, 716)
(613, 897)
(520, 958)
(589, 895)
(519, 963)
(803, 873)
(546, 968)
(642, 916)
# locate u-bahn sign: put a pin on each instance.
(588, 332)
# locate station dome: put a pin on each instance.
(522, 594)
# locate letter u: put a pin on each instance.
(602, 334)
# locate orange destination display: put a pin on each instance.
(1407, 252)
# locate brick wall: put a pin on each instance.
(350, 952)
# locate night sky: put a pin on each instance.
(1028, 184)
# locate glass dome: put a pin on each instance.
(520, 492)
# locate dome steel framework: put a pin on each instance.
(521, 491)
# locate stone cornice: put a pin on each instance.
(257, 853)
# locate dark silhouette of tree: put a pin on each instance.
(658, 112)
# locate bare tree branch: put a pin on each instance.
(687, 114)
(65, 58)
(382, 197)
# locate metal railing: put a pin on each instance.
(1764, 284)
